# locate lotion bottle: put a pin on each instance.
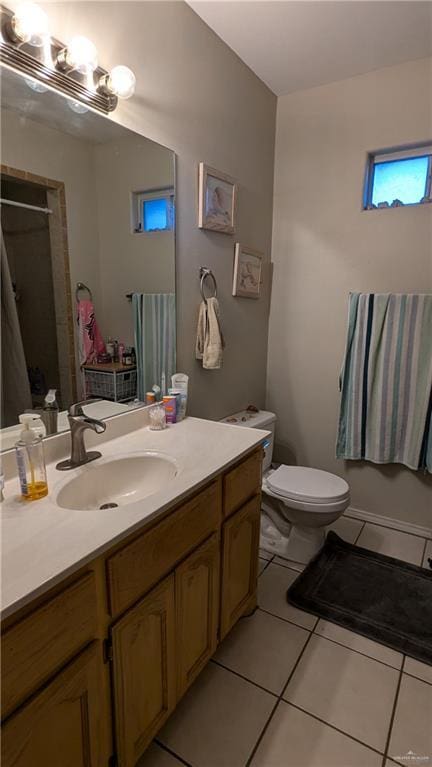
(31, 461)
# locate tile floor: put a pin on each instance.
(288, 690)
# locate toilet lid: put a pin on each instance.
(309, 485)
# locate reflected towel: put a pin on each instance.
(386, 381)
(209, 340)
(90, 340)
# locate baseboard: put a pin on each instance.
(395, 524)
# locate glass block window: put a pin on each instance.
(397, 179)
(153, 211)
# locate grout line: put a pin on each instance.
(423, 559)
(286, 620)
(263, 731)
(267, 563)
(393, 713)
(245, 678)
(365, 655)
(333, 727)
(360, 532)
(172, 753)
(387, 527)
(419, 678)
(287, 567)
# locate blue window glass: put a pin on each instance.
(155, 214)
(404, 180)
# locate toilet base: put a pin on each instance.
(300, 544)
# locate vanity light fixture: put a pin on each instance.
(119, 82)
(27, 48)
(79, 56)
(29, 24)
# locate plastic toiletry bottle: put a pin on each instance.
(179, 382)
(50, 412)
(31, 462)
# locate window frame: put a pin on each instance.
(423, 150)
(140, 197)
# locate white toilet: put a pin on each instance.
(298, 502)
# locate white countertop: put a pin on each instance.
(43, 543)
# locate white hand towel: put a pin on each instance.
(209, 341)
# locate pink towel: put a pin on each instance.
(91, 343)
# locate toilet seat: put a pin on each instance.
(307, 489)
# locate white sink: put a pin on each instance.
(117, 482)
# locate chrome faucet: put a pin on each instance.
(79, 422)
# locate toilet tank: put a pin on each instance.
(261, 420)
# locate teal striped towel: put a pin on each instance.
(386, 380)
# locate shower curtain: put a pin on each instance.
(15, 386)
(154, 316)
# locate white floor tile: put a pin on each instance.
(393, 543)
(295, 739)
(289, 563)
(264, 649)
(265, 555)
(272, 588)
(348, 690)
(418, 669)
(427, 555)
(360, 643)
(218, 721)
(412, 730)
(155, 756)
(347, 528)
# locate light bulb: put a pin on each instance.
(80, 55)
(30, 24)
(35, 85)
(119, 82)
(77, 107)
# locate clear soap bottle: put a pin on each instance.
(31, 461)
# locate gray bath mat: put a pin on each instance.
(377, 596)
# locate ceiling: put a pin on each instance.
(294, 44)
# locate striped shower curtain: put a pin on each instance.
(386, 381)
(154, 317)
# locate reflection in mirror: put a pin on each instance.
(87, 261)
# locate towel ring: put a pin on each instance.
(81, 286)
(204, 273)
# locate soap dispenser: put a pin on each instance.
(31, 461)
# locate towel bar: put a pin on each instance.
(204, 273)
(81, 286)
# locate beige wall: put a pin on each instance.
(324, 246)
(36, 148)
(130, 262)
(195, 96)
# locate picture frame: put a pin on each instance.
(217, 200)
(247, 275)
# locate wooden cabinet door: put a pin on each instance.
(63, 725)
(240, 541)
(197, 611)
(144, 671)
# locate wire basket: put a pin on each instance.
(117, 386)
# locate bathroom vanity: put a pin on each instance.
(97, 649)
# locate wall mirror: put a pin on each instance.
(87, 252)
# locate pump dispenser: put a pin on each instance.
(31, 461)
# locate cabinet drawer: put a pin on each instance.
(242, 482)
(39, 644)
(138, 566)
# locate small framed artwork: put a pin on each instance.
(247, 272)
(217, 200)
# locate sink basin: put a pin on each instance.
(117, 482)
